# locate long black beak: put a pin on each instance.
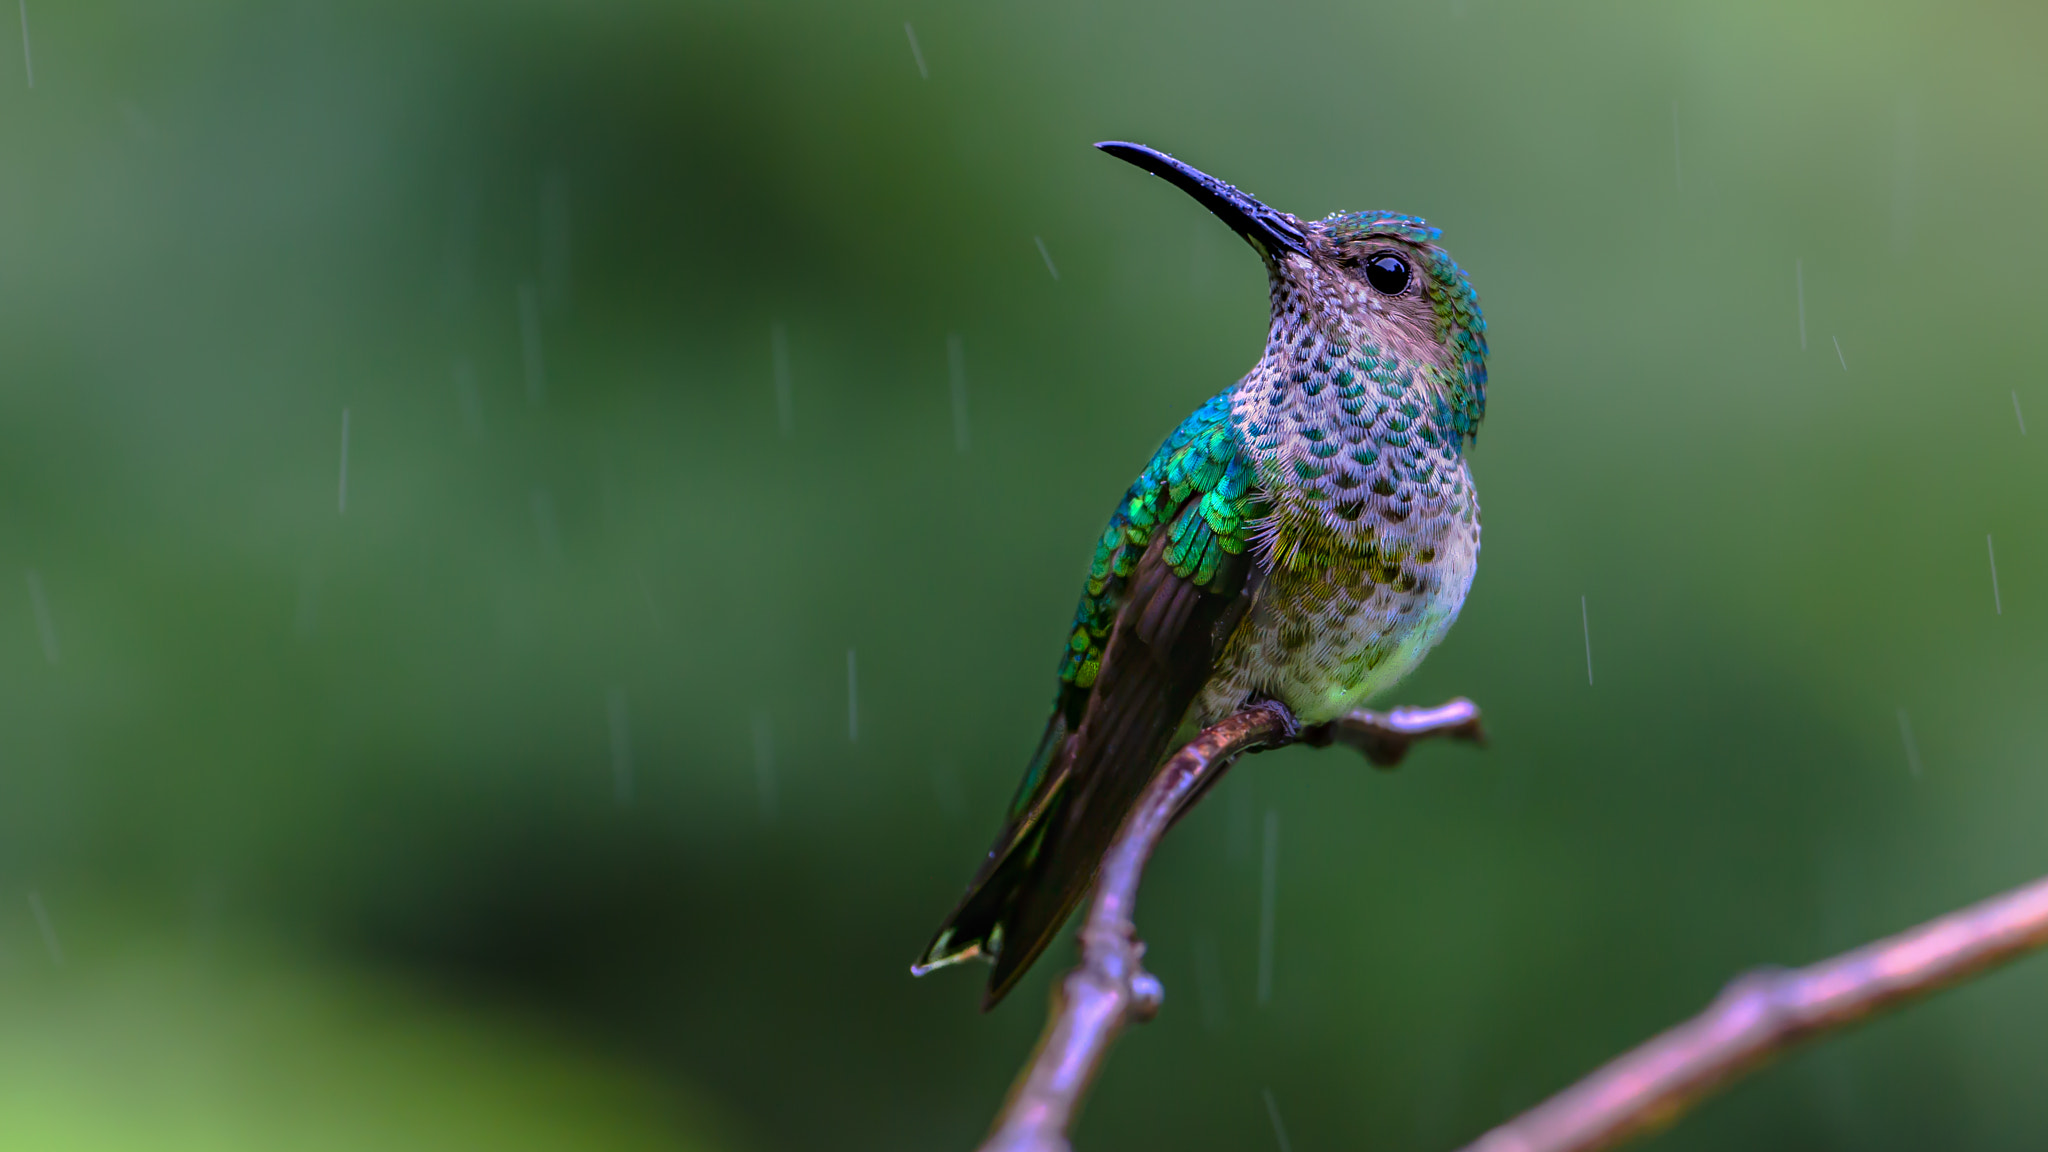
(1273, 231)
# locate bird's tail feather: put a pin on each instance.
(1080, 787)
(974, 930)
(1109, 771)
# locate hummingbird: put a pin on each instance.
(1306, 537)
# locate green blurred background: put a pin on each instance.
(515, 805)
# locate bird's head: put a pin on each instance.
(1360, 280)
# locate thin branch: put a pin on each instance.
(1110, 989)
(1765, 1013)
(1385, 737)
(1755, 1019)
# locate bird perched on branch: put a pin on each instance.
(1306, 537)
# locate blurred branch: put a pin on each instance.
(1111, 989)
(1757, 1017)
(1765, 1013)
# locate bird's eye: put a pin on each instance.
(1387, 272)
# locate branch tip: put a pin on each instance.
(1765, 1012)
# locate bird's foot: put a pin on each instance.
(1384, 737)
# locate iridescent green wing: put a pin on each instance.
(1199, 487)
(1164, 590)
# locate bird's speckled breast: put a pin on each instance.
(1373, 538)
